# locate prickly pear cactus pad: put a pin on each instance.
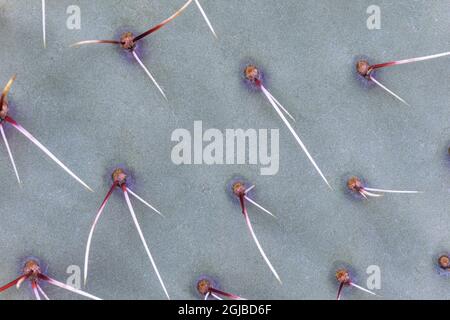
(332, 116)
